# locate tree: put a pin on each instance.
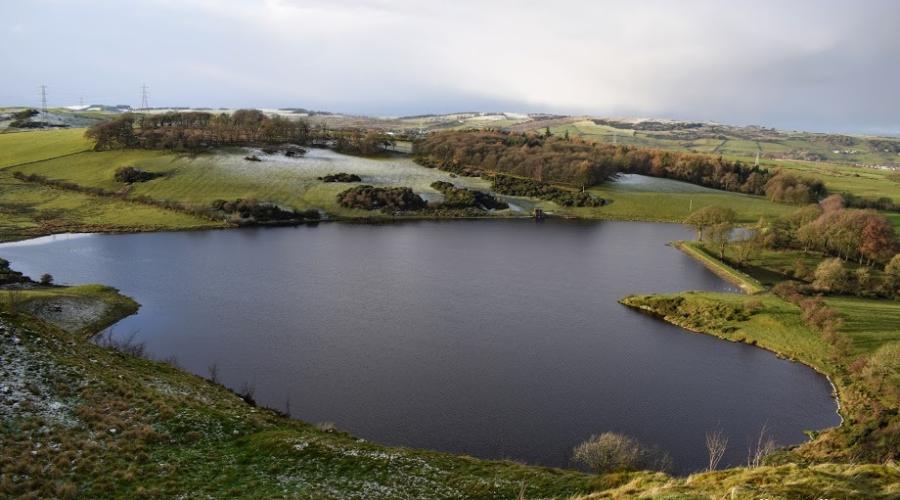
(611, 452)
(764, 446)
(833, 203)
(720, 235)
(863, 278)
(830, 276)
(46, 279)
(709, 216)
(746, 249)
(716, 444)
(892, 276)
(883, 369)
(877, 238)
(113, 134)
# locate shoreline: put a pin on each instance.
(835, 391)
(76, 230)
(747, 284)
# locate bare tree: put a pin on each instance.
(716, 444)
(248, 393)
(128, 345)
(214, 373)
(764, 446)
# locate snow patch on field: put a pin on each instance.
(394, 171)
(26, 381)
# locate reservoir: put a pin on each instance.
(500, 339)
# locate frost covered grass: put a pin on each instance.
(227, 174)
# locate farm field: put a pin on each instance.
(293, 182)
(226, 174)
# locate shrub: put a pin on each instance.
(131, 175)
(341, 177)
(883, 370)
(455, 197)
(25, 114)
(830, 276)
(388, 199)
(514, 186)
(612, 452)
(256, 211)
(790, 291)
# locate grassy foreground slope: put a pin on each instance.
(80, 420)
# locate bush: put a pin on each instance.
(131, 175)
(388, 199)
(254, 211)
(455, 197)
(341, 177)
(8, 275)
(514, 186)
(883, 370)
(830, 276)
(791, 291)
(611, 452)
(25, 114)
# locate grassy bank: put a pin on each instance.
(747, 283)
(871, 422)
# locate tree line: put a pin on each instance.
(861, 246)
(551, 158)
(196, 130)
(546, 159)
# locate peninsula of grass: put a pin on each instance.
(747, 283)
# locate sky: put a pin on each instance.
(816, 65)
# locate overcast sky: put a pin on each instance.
(798, 64)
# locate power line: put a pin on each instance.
(44, 105)
(145, 97)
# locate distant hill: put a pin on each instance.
(700, 137)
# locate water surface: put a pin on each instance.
(501, 339)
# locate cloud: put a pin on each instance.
(809, 64)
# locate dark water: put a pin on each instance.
(501, 339)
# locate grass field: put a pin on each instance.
(28, 210)
(225, 174)
(22, 147)
(733, 142)
(200, 179)
(668, 204)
